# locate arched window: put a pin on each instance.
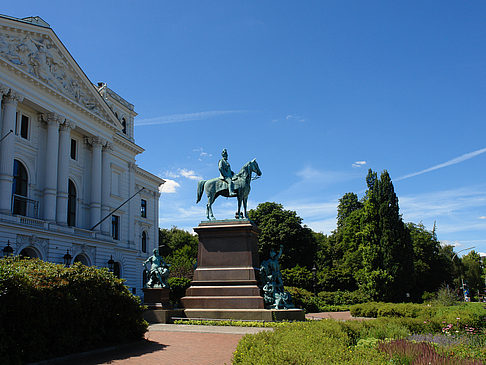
(29, 252)
(117, 270)
(82, 259)
(71, 210)
(124, 125)
(144, 242)
(19, 188)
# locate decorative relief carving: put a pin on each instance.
(67, 125)
(41, 244)
(40, 57)
(4, 89)
(14, 97)
(51, 118)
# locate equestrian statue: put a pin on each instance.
(229, 185)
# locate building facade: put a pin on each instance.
(67, 160)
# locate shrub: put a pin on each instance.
(48, 310)
(297, 276)
(178, 288)
(303, 299)
(342, 297)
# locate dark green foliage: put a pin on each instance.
(279, 226)
(431, 266)
(48, 310)
(178, 288)
(473, 273)
(303, 299)
(300, 277)
(179, 248)
(385, 245)
(342, 297)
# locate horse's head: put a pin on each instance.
(255, 168)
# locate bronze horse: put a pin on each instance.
(216, 187)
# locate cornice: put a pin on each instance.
(127, 144)
(141, 172)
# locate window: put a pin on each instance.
(124, 125)
(19, 189)
(144, 242)
(71, 211)
(24, 126)
(115, 227)
(73, 149)
(143, 208)
(117, 270)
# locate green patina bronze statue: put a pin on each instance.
(158, 273)
(274, 295)
(229, 184)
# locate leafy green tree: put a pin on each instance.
(347, 205)
(179, 248)
(385, 246)
(432, 267)
(473, 273)
(280, 226)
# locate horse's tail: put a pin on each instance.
(200, 189)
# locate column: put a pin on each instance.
(63, 171)
(4, 89)
(95, 205)
(105, 188)
(7, 147)
(50, 182)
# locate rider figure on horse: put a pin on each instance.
(226, 173)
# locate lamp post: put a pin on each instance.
(314, 272)
(67, 259)
(7, 250)
(464, 293)
(111, 263)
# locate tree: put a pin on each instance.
(473, 273)
(347, 205)
(179, 248)
(385, 245)
(279, 226)
(432, 267)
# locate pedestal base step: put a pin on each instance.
(267, 315)
(162, 315)
(223, 290)
(225, 302)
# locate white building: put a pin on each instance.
(67, 159)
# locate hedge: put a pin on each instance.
(47, 310)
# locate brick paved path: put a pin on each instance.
(171, 344)
(175, 345)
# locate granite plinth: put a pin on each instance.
(156, 298)
(162, 315)
(266, 315)
(226, 276)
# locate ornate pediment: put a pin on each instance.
(40, 56)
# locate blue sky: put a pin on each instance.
(316, 91)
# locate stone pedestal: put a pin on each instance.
(226, 275)
(156, 298)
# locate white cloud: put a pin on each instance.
(179, 118)
(442, 203)
(359, 164)
(169, 187)
(189, 174)
(295, 117)
(482, 217)
(454, 161)
(202, 153)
